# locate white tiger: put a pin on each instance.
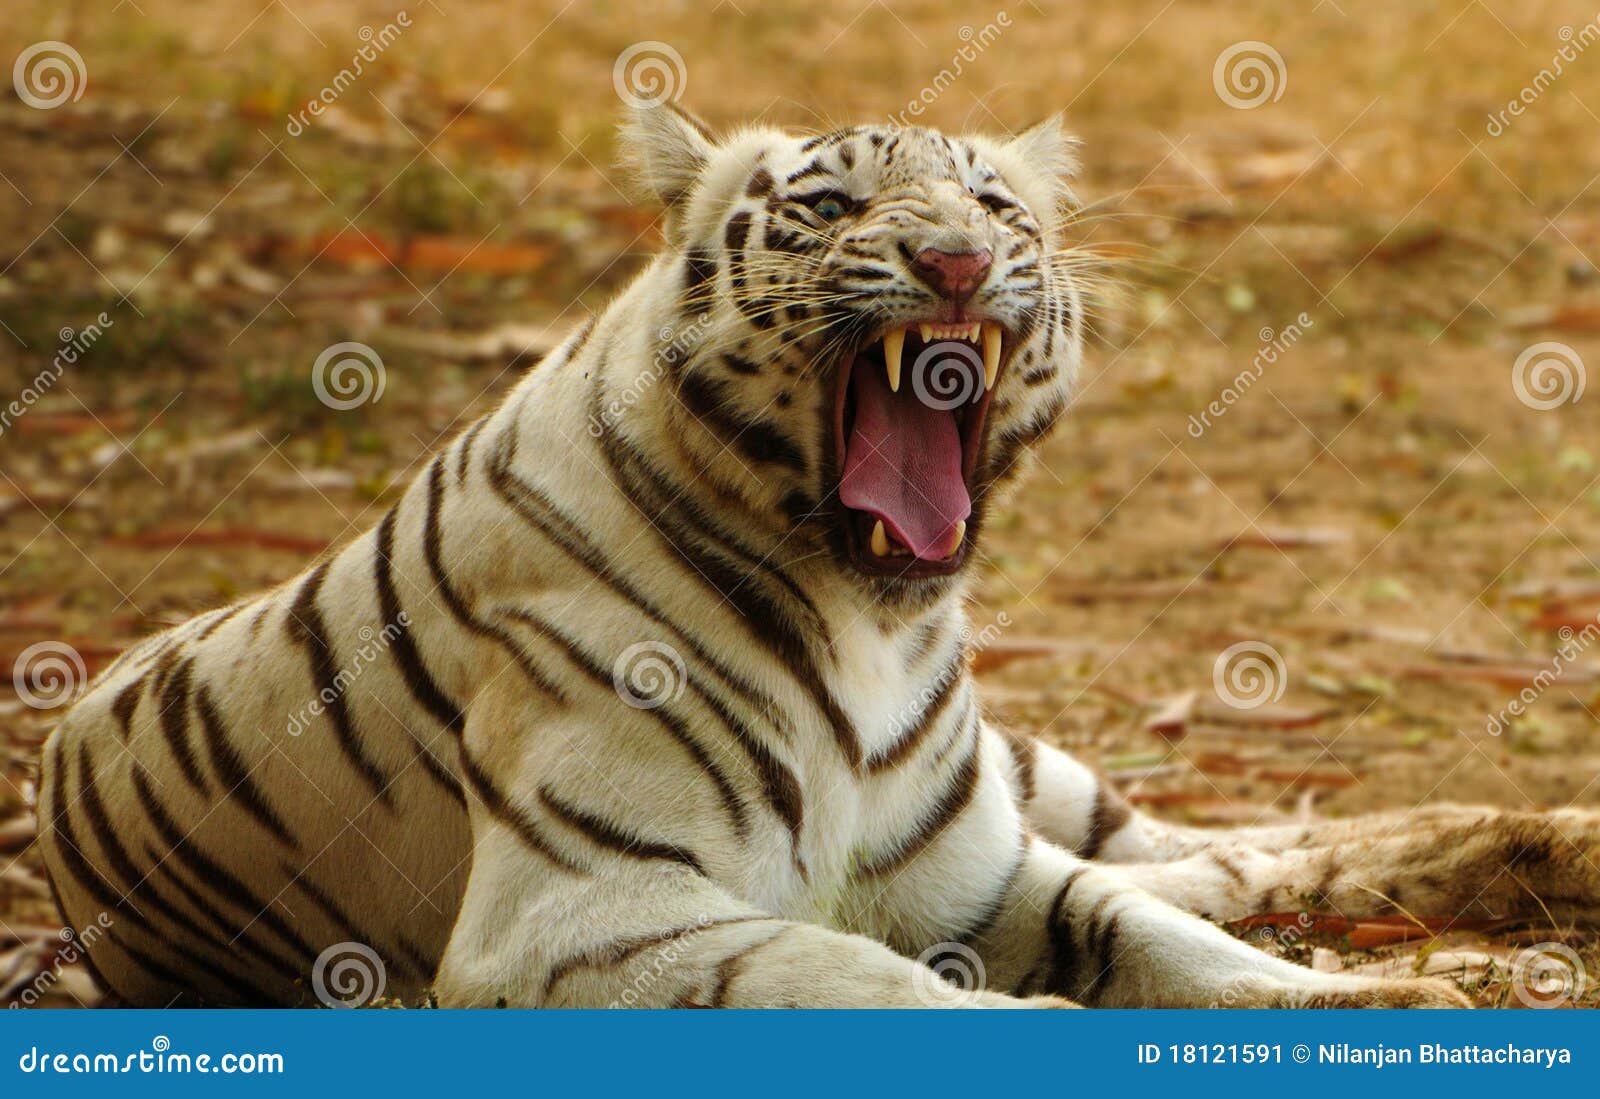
(652, 688)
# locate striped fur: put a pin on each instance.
(430, 743)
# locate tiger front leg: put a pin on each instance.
(1033, 918)
(621, 935)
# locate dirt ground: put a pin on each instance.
(1396, 518)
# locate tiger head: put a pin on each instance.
(881, 324)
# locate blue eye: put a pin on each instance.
(830, 209)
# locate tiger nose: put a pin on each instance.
(953, 275)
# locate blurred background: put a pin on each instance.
(1318, 538)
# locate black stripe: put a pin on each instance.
(174, 721)
(306, 627)
(675, 726)
(230, 768)
(217, 877)
(420, 682)
(432, 551)
(120, 894)
(711, 400)
(1058, 926)
(512, 816)
(464, 455)
(1110, 813)
(126, 704)
(608, 835)
(956, 799)
(695, 539)
(413, 964)
(240, 942)
(537, 509)
(219, 621)
(618, 951)
(815, 168)
(951, 678)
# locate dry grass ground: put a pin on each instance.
(1378, 509)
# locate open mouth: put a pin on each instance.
(908, 427)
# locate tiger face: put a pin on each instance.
(887, 327)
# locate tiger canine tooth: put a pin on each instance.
(927, 332)
(960, 536)
(880, 540)
(894, 342)
(991, 354)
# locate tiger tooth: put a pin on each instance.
(880, 541)
(972, 333)
(991, 354)
(927, 333)
(960, 536)
(894, 343)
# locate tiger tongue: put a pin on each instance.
(902, 464)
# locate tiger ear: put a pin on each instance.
(1039, 164)
(666, 148)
